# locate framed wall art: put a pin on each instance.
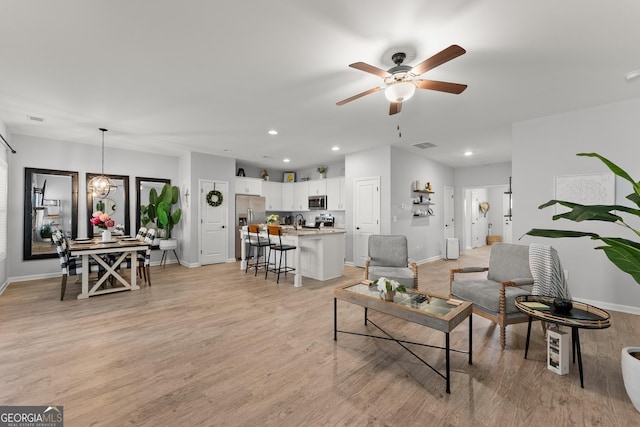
(289, 177)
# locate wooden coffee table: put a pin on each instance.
(582, 315)
(440, 313)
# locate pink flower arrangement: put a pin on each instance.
(102, 220)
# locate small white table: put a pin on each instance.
(121, 249)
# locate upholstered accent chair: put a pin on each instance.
(493, 297)
(389, 258)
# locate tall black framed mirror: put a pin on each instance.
(143, 186)
(50, 202)
(116, 205)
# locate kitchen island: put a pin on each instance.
(319, 252)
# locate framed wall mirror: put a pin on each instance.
(143, 186)
(116, 205)
(50, 202)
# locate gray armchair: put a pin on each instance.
(493, 298)
(389, 257)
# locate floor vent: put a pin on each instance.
(424, 145)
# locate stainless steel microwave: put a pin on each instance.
(317, 203)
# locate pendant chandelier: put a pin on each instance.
(102, 186)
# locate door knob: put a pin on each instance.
(357, 228)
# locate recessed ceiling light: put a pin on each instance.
(468, 153)
(273, 132)
(335, 148)
(632, 75)
(286, 160)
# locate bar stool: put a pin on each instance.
(258, 245)
(276, 230)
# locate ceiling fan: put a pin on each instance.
(400, 82)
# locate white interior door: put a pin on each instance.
(508, 220)
(366, 219)
(448, 213)
(214, 236)
(475, 220)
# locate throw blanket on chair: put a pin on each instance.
(548, 276)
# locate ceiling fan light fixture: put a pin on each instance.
(400, 91)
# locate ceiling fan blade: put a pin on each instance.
(370, 69)
(439, 58)
(456, 88)
(360, 95)
(394, 108)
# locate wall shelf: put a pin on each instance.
(425, 200)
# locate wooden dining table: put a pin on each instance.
(110, 256)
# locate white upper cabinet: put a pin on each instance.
(318, 188)
(335, 194)
(301, 196)
(272, 191)
(249, 186)
(287, 196)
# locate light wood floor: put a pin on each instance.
(213, 346)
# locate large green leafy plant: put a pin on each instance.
(168, 197)
(624, 253)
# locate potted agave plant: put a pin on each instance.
(623, 253)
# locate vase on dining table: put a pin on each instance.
(106, 235)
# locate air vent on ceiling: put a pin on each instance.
(35, 119)
(424, 145)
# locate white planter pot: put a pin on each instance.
(168, 244)
(106, 236)
(631, 375)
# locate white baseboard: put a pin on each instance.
(428, 260)
(609, 306)
(33, 277)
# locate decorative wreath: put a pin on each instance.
(214, 193)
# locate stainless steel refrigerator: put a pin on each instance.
(249, 210)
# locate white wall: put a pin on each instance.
(368, 163)
(51, 154)
(547, 147)
(206, 166)
(4, 153)
(425, 235)
(485, 176)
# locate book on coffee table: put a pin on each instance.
(535, 305)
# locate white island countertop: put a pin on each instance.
(311, 231)
(319, 252)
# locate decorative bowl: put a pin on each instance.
(562, 305)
